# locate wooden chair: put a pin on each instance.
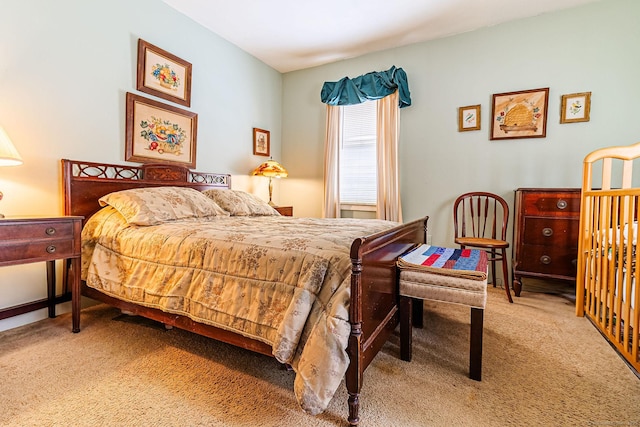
(480, 220)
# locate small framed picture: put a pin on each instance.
(521, 114)
(469, 118)
(261, 142)
(163, 74)
(159, 133)
(575, 107)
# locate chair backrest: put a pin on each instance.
(481, 214)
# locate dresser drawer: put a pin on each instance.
(551, 203)
(550, 260)
(562, 232)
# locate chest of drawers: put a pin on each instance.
(545, 234)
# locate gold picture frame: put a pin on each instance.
(163, 74)
(469, 118)
(521, 114)
(576, 107)
(261, 142)
(159, 133)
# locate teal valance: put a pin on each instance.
(370, 86)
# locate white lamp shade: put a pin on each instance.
(9, 156)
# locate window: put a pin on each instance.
(358, 154)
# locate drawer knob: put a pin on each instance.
(50, 231)
(545, 259)
(562, 204)
(546, 232)
(51, 249)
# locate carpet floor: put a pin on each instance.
(542, 366)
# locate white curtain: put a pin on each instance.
(331, 206)
(388, 205)
(388, 186)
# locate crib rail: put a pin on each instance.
(607, 277)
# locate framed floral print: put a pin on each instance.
(159, 133)
(469, 118)
(576, 107)
(520, 114)
(163, 74)
(261, 142)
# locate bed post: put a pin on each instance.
(353, 379)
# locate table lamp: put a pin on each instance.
(9, 156)
(270, 169)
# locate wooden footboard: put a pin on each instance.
(374, 303)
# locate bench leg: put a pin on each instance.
(475, 352)
(417, 313)
(406, 341)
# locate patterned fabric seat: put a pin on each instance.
(427, 276)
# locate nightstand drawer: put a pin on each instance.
(39, 250)
(551, 232)
(37, 231)
(552, 204)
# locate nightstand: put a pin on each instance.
(26, 240)
(284, 210)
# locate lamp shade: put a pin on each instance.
(9, 156)
(271, 169)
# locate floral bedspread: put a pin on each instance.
(281, 280)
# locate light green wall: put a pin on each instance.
(65, 67)
(589, 48)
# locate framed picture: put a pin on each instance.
(261, 142)
(520, 114)
(469, 118)
(159, 133)
(163, 74)
(575, 107)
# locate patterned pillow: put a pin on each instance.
(155, 205)
(240, 203)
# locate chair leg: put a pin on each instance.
(505, 274)
(475, 351)
(493, 267)
(406, 339)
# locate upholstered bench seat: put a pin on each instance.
(447, 283)
(438, 287)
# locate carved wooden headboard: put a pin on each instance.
(85, 182)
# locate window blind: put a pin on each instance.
(358, 154)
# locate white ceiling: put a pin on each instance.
(290, 35)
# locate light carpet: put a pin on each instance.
(542, 366)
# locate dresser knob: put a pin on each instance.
(546, 232)
(50, 231)
(51, 249)
(562, 204)
(545, 259)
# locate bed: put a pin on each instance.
(360, 311)
(607, 276)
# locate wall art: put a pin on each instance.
(163, 74)
(521, 114)
(469, 118)
(576, 107)
(159, 133)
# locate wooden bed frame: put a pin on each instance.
(374, 301)
(610, 204)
